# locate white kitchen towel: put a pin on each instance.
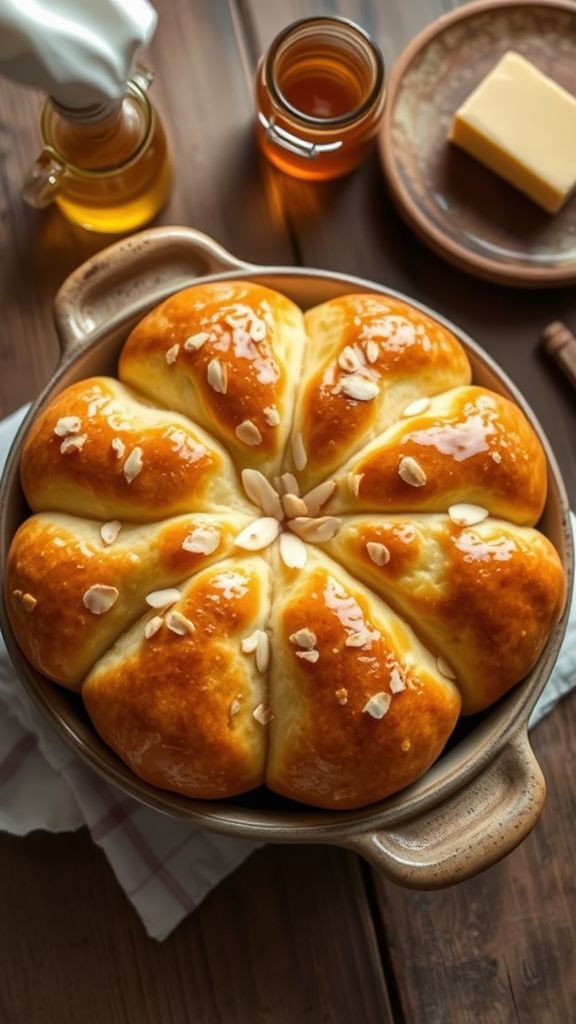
(165, 866)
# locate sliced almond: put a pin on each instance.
(467, 515)
(259, 534)
(293, 551)
(152, 627)
(258, 331)
(354, 481)
(397, 683)
(249, 643)
(109, 531)
(235, 706)
(262, 651)
(261, 492)
(262, 714)
(372, 351)
(445, 669)
(118, 447)
(288, 484)
(294, 506)
(417, 407)
(305, 638)
(378, 553)
(360, 389)
(73, 443)
(341, 695)
(163, 598)
(99, 598)
(27, 601)
(248, 433)
(315, 531)
(378, 705)
(271, 415)
(172, 354)
(133, 465)
(68, 425)
(349, 360)
(195, 341)
(179, 624)
(411, 472)
(202, 540)
(311, 656)
(299, 455)
(95, 405)
(318, 496)
(357, 639)
(116, 422)
(217, 376)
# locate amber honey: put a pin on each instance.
(111, 175)
(320, 95)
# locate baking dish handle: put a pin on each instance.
(132, 275)
(468, 832)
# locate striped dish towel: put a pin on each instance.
(164, 866)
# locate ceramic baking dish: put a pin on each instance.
(487, 790)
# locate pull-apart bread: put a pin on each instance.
(284, 549)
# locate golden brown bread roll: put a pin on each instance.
(99, 450)
(360, 708)
(468, 445)
(185, 707)
(228, 356)
(482, 597)
(90, 580)
(237, 613)
(380, 349)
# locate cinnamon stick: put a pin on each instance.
(560, 344)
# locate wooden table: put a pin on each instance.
(297, 934)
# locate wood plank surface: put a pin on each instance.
(296, 935)
(287, 939)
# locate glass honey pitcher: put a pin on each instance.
(319, 97)
(108, 169)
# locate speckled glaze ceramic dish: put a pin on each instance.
(459, 208)
(486, 791)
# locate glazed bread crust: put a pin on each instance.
(283, 549)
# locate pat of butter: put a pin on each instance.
(522, 125)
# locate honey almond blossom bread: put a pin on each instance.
(283, 549)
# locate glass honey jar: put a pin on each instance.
(319, 97)
(107, 169)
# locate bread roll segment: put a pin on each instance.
(62, 563)
(400, 352)
(99, 450)
(470, 445)
(227, 355)
(483, 597)
(360, 708)
(186, 709)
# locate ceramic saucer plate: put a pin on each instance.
(460, 209)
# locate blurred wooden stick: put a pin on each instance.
(560, 344)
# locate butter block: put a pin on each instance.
(522, 125)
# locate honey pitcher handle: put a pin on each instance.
(119, 284)
(468, 832)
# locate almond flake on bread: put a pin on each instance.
(99, 598)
